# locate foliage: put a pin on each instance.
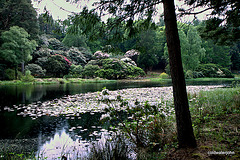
(208, 105)
(100, 55)
(106, 73)
(36, 70)
(216, 54)
(16, 47)
(90, 71)
(114, 148)
(149, 50)
(76, 69)
(164, 75)
(10, 74)
(40, 53)
(27, 77)
(213, 70)
(19, 13)
(55, 44)
(193, 74)
(191, 49)
(58, 65)
(76, 56)
(75, 40)
(146, 124)
(235, 56)
(133, 54)
(223, 25)
(120, 69)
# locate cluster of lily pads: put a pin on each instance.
(72, 106)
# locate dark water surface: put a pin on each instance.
(51, 133)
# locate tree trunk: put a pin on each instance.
(22, 68)
(16, 73)
(184, 124)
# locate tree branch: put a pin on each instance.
(195, 13)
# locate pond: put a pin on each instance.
(48, 136)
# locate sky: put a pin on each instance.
(60, 9)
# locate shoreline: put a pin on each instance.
(100, 80)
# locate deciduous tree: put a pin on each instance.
(16, 47)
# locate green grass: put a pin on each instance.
(200, 79)
(56, 80)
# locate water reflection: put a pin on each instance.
(65, 144)
(62, 144)
(25, 94)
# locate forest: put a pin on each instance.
(168, 116)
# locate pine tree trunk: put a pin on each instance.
(184, 124)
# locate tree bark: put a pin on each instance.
(183, 118)
(22, 68)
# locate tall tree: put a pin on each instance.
(184, 124)
(216, 54)
(19, 13)
(16, 47)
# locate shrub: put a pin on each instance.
(112, 69)
(28, 77)
(76, 56)
(228, 74)
(89, 71)
(10, 74)
(164, 75)
(120, 69)
(135, 71)
(57, 65)
(106, 73)
(35, 70)
(100, 55)
(133, 54)
(213, 70)
(76, 69)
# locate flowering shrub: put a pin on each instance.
(100, 55)
(65, 58)
(164, 75)
(147, 125)
(58, 65)
(133, 54)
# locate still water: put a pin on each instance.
(50, 136)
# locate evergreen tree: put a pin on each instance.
(19, 13)
(191, 49)
(216, 54)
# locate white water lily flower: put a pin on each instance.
(104, 116)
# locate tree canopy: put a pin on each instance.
(16, 47)
(223, 25)
(19, 13)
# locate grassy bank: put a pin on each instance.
(216, 123)
(56, 80)
(200, 79)
(100, 80)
